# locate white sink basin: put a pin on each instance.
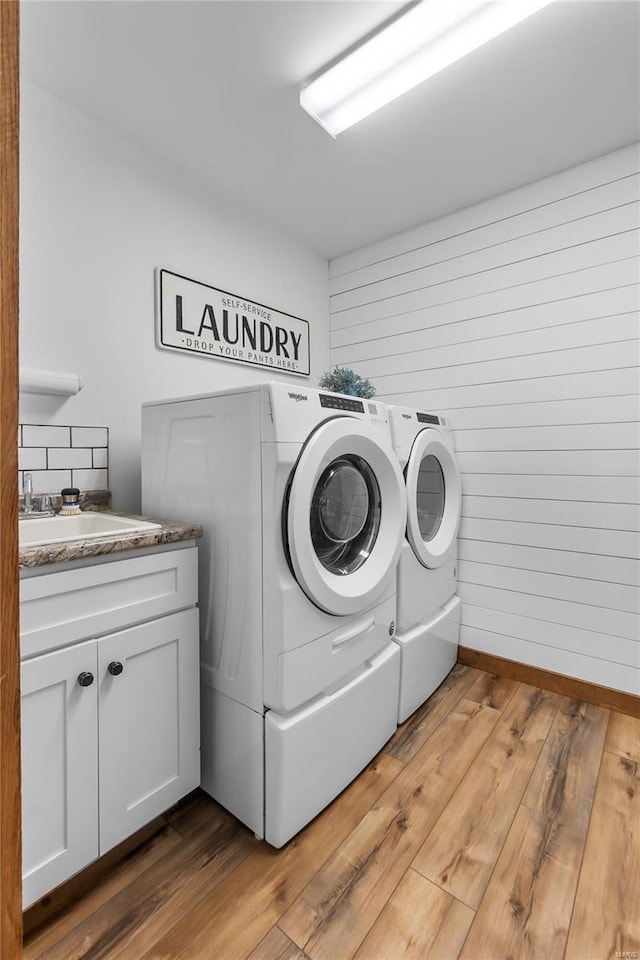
(82, 526)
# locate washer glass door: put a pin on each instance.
(433, 498)
(344, 515)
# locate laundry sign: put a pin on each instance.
(201, 319)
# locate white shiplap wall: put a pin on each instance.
(519, 319)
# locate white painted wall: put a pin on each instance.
(97, 216)
(518, 318)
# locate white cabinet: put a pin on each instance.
(110, 725)
(59, 768)
(149, 722)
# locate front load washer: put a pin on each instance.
(428, 612)
(303, 507)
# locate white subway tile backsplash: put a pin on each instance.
(89, 436)
(37, 436)
(63, 456)
(32, 458)
(90, 479)
(69, 458)
(50, 481)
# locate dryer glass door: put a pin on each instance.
(430, 497)
(433, 498)
(344, 515)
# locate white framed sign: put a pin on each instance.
(198, 318)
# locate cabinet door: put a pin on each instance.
(59, 768)
(149, 723)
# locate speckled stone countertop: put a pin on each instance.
(169, 532)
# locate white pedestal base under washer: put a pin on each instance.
(303, 507)
(428, 621)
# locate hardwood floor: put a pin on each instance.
(500, 821)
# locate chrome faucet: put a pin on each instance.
(43, 504)
(28, 493)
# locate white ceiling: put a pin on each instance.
(212, 86)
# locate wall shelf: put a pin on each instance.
(49, 382)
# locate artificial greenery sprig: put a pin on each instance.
(344, 380)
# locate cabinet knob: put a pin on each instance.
(115, 668)
(85, 679)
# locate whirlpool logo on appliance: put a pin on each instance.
(198, 318)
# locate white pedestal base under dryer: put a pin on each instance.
(302, 503)
(429, 652)
(421, 593)
(428, 622)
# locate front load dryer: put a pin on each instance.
(302, 503)
(428, 612)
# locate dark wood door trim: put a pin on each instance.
(10, 835)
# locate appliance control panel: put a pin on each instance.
(293, 414)
(427, 418)
(375, 413)
(382, 422)
(341, 403)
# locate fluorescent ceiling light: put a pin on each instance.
(429, 36)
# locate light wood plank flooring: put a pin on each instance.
(501, 821)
